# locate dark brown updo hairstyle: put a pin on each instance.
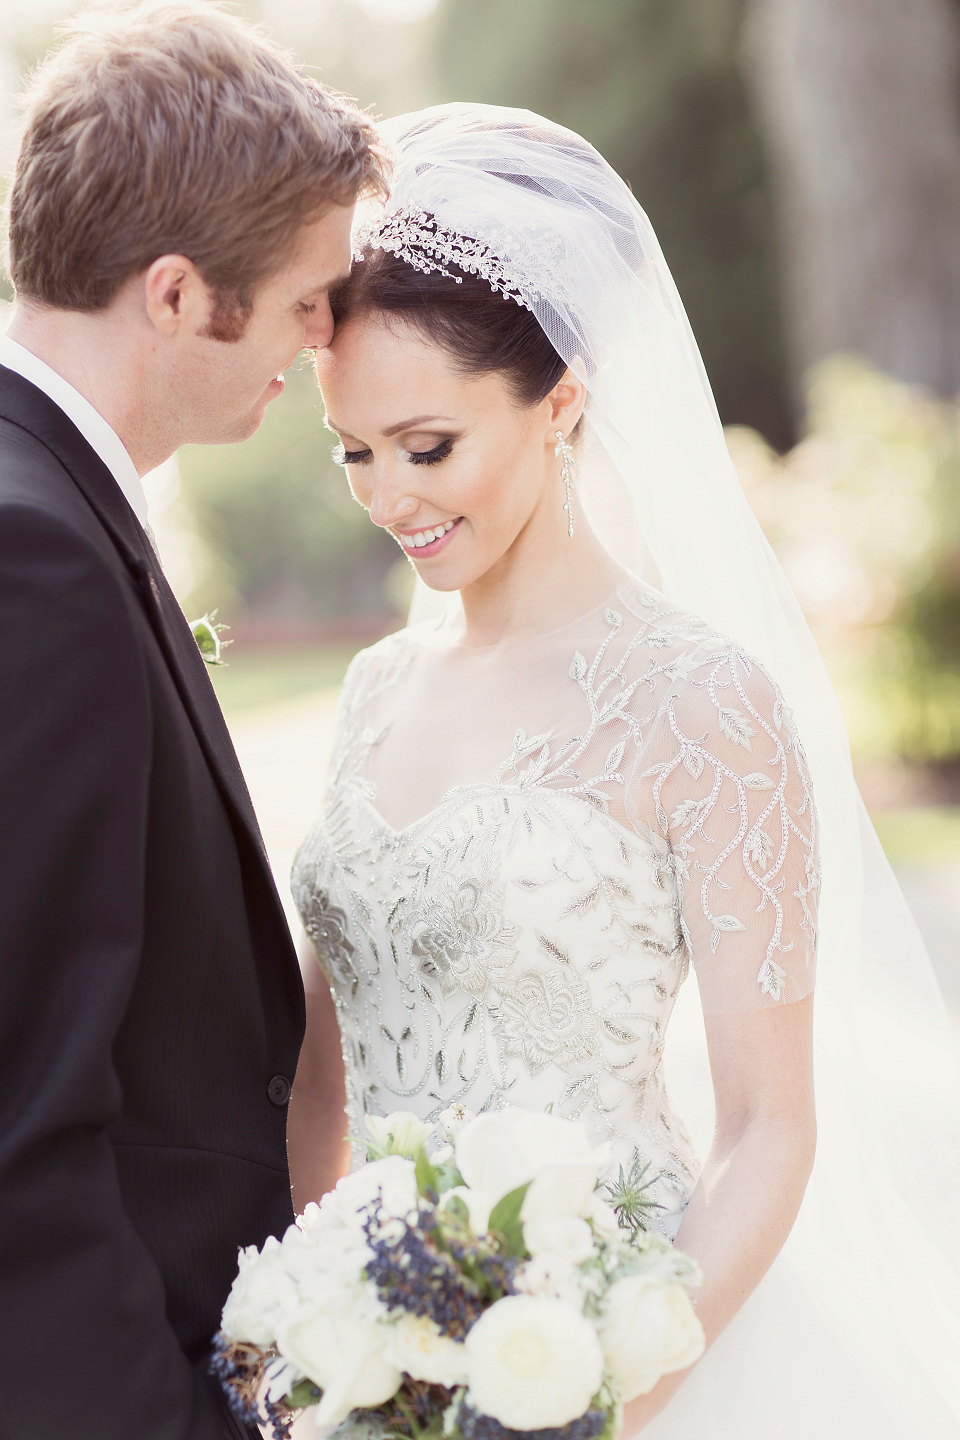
(482, 331)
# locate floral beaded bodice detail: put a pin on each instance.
(523, 941)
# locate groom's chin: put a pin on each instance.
(244, 426)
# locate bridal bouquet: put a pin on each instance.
(482, 1290)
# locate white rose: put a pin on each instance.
(262, 1297)
(419, 1348)
(648, 1329)
(532, 1363)
(499, 1152)
(401, 1133)
(564, 1235)
(346, 1357)
(478, 1206)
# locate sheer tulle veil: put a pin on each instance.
(537, 210)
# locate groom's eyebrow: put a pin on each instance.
(408, 424)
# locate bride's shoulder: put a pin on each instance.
(378, 665)
(696, 671)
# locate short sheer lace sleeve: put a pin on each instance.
(722, 784)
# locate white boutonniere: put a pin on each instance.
(206, 632)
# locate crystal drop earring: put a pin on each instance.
(566, 451)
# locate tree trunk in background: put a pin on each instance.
(656, 86)
(858, 101)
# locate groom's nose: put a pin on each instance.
(318, 331)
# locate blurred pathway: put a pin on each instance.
(284, 754)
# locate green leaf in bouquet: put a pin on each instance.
(505, 1220)
(427, 1177)
(448, 1177)
(304, 1393)
(457, 1207)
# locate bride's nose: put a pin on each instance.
(388, 505)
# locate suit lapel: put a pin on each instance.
(25, 405)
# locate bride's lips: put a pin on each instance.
(443, 534)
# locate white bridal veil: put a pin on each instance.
(539, 213)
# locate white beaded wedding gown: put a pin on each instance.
(521, 853)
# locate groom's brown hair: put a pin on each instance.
(175, 128)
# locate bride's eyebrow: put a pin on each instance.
(408, 424)
(393, 429)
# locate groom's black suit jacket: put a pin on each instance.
(151, 1010)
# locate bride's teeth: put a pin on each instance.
(427, 537)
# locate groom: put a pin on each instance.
(181, 206)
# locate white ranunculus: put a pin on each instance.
(346, 1357)
(565, 1235)
(478, 1205)
(401, 1133)
(499, 1152)
(262, 1297)
(532, 1363)
(648, 1329)
(418, 1347)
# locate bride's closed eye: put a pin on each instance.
(340, 455)
(433, 456)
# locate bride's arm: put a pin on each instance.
(317, 1149)
(744, 1206)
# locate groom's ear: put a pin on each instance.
(176, 298)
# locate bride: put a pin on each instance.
(576, 778)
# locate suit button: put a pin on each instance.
(278, 1091)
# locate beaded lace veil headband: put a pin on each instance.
(415, 236)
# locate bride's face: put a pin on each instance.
(450, 464)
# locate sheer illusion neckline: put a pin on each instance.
(516, 641)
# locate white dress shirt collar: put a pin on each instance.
(91, 424)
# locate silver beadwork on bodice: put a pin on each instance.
(523, 943)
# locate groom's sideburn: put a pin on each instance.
(152, 1008)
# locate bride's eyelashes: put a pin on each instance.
(434, 456)
(342, 456)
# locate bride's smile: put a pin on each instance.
(429, 541)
